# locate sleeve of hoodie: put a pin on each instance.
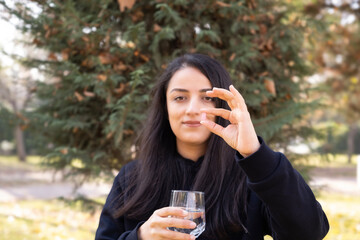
(111, 228)
(290, 207)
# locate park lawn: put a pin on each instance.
(327, 160)
(33, 163)
(61, 219)
(57, 219)
(343, 213)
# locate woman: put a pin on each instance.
(199, 136)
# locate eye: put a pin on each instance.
(179, 98)
(209, 99)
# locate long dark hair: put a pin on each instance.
(155, 175)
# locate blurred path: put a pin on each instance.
(340, 180)
(23, 185)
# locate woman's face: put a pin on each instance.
(185, 96)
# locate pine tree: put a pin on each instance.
(103, 57)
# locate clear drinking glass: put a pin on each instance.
(194, 203)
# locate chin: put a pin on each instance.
(194, 140)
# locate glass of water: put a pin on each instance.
(194, 203)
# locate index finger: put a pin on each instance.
(231, 96)
(225, 95)
(171, 211)
(239, 97)
(221, 93)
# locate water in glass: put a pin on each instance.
(192, 202)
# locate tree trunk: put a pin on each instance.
(351, 141)
(20, 144)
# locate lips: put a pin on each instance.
(192, 123)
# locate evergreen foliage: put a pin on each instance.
(103, 59)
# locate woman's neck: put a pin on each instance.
(191, 151)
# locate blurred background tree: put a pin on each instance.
(337, 53)
(15, 95)
(6, 135)
(102, 57)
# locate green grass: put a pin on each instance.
(343, 213)
(62, 219)
(77, 220)
(55, 219)
(32, 163)
(72, 220)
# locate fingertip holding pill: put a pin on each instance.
(203, 117)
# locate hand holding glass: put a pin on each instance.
(194, 203)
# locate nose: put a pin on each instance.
(193, 107)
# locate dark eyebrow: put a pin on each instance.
(178, 90)
(206, 89)
(184, 90)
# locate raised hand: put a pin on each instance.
(240, 133)
(156, 226)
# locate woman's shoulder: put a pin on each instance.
(126, 171)
(130, 165)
